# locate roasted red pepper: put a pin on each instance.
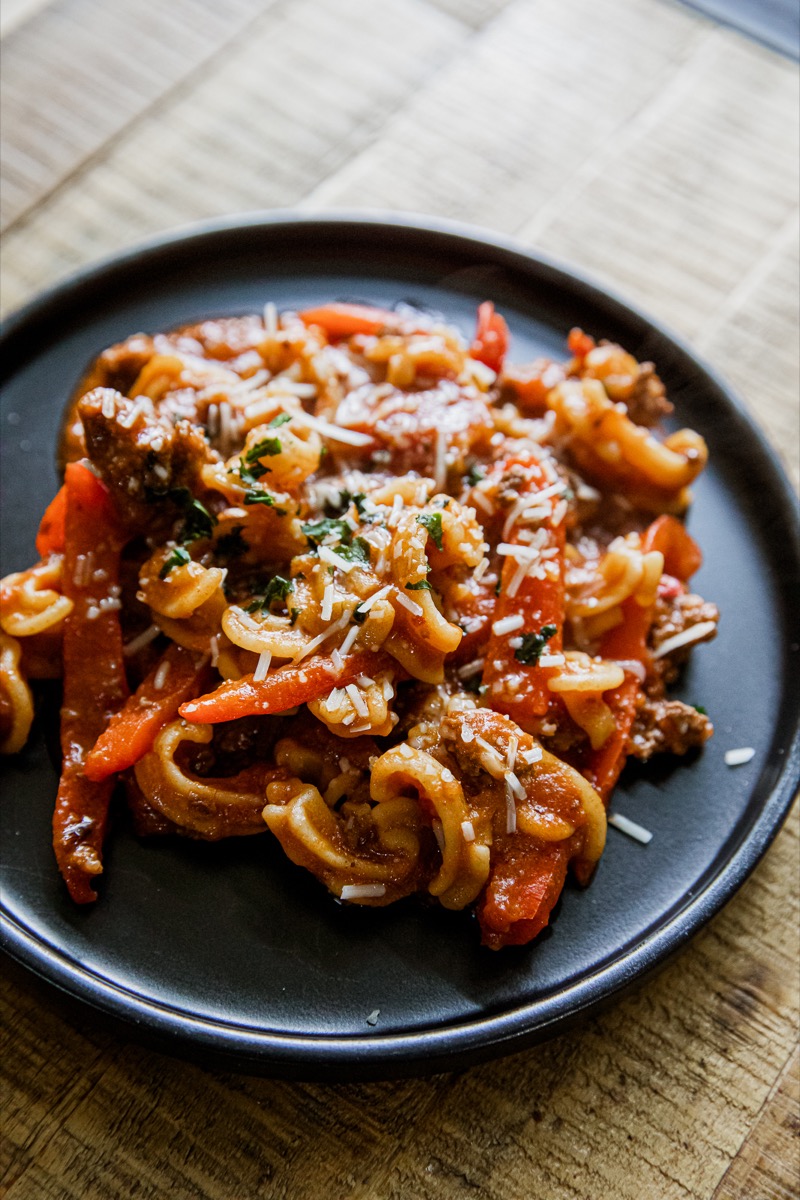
(131, 732)
(94, 675)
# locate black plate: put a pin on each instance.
(228, 952)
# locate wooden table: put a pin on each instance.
(642, 143)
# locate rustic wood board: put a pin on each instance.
(636, 140)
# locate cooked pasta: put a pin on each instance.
(343, 577)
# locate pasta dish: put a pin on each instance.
(346, 578)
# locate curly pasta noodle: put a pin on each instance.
(31, 601)
(16, 700)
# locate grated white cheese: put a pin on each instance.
(160, 677)
(327, 599)
(685, 638)
(362, 891)
(348, 437)
(625, 825)
(633, 665)
(411, 605)
(737, 758)
(470, 668)
(337, 660)
(468, 830)
(357, 700)
(132, 416)
(144, 639)
(394, 512)
(262, 666)
(333, 559)
(511, 810)
(551, 660)
(350, 637)
(270, 318)
(508, 624)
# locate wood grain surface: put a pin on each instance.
(647, 146)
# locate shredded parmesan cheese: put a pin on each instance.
(362, 891)
(625, 825)
(508, 624)
(262, 666)
(694, 633)
(737, 758)
(411, 605)
(139, 643)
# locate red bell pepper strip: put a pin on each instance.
(281, 689)
(628, 640)
(525, 884)
(491, 338)
(540, 602)
(131, 732)
(345, 320)
(50, 538)
(95, 686)
(682, 555)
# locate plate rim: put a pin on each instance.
(423, 1051)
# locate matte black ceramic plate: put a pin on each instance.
(230, 953)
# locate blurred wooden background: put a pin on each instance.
(642, 143)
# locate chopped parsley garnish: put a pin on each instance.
(178, 558)
(498, 586)
(473, 684)
(421, 585)
(433, 523)
(358, 616)
(317, 531)
(199, 523)
(278, 588)
(263, 449)
(699, 708)
(533, 644)
(281, 419)
(251, 474)
(475, 475)
(355, 551)
(231, 545)
(294, 613)
(264, 498)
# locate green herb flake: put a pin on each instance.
(699, 708)
(533, 645)
(355, 551)
(178, 558)
(317, 531)
(358, 616)
(199, 523)
(433, 523)
(263, 449)
(475, 475)
(264, 498)
(250, 475)
(421, 585)
(281, 419)
(278, 588)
